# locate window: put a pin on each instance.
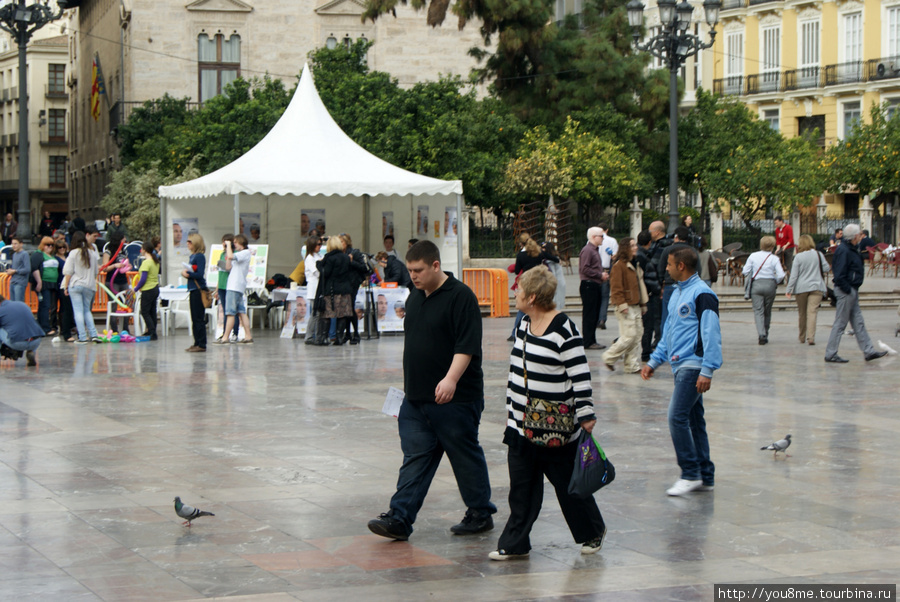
(852, 37)
(771, 59)
(893, 33)
(734, 62)
(560, 10)
(892, 105)
(331, 42)
(57, 79)
(220, 63)
(56, 122)
(771, 117)
(808, 76)
(852, 113)
(57, 172)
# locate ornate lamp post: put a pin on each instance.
(21, 21)
(673, 45)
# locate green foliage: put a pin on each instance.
(726, 152)
(133, 192)
(868, 158)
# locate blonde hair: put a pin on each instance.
(532, 249)
(767, 243)
(335, 243)
(541, 283)
(197, 241)
(806, 243)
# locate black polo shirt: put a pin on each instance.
(438, 326)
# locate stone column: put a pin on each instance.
(795, 224)
(636, 218)
(716, 229)
(865, 214)
(821, 226)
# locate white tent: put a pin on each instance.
(307, 165)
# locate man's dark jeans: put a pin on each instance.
(428, 430)
(664, 309)
(652, 325)
(604, 301)
(687, 426)
(590, 312)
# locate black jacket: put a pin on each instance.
(525, 262)
(358, 267)
(651, 276)
(395, 271)
(337, 277)
(847, 267)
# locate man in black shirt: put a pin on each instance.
(444, 398)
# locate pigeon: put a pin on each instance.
(886, 347)
(189, 512)
(780, 446)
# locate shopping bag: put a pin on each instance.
(593, 470)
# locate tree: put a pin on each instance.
(728, 154)
(868, 158)
(133, 192)
(545, 70)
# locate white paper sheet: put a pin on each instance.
(393, 401)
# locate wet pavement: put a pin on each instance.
(287, 445)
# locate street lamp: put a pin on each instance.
(673, 45)
(21, 21)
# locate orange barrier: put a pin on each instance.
(4, 285)
(30, 296)
(491, 287)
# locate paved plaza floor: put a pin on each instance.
(287, 445)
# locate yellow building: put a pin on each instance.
(807, 65)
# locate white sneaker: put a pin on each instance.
(502, 555)
(593, 546)
(683, 486)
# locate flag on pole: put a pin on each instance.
(97, 87)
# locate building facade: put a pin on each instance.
(194, 48)
(47, 59)
(807, 65)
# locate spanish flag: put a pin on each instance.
(97, 87)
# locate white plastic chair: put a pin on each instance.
(112, 305)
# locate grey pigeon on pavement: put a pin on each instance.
(780, 446)
(189, 512)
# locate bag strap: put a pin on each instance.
(524, 366)
(760, 267)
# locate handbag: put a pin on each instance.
(829, 292)
(593, 471)
(319, 301)
(545, 423)
(206, 297)
(748, 284)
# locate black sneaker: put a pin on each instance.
(473, 522)
(388, 526)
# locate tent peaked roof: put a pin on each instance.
(307, 153)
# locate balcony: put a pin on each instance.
(844, 73)
(729, 86)
(55, 91)
(10, 140)
(803, 78)
(758, 2)
(883, 68)
(732, 4)
(47, 140)
(764, 83)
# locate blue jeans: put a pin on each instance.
(82, 299)
(519, 316)
(427, 431)
(17, 292)
(688, 428)
(18, 345)
(604, 300)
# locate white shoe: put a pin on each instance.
(502, 555)
(683, 486)
(593, 546)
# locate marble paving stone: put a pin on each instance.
(287, 445)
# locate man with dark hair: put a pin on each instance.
(394, 269)
(20, 271)
(444, 398)
(389, 246)
(865, 244)
(784, 242)
(848, 270)
(836, 239)
(18, 331)
(692, 344)
(651, 317)
(411, 242)
(115, 226)
(8, 229)
(681, 238)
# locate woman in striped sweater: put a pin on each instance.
(547, 366)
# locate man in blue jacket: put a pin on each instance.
(18, 331)
(692, 344)
(848, 270)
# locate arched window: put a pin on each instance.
(219, 63)
(331, 42)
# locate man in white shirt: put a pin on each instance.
(237, 261)
(389, 246)
(607, 249)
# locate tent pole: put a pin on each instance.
(237, 213)
(413, 231)
(459, 229)
(366, 211)
(163, 213)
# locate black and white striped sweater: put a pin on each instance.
(557, 371)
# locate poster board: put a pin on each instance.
(256, 276)
(390, 307)
(296, 313)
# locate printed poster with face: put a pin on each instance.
(390, 308)
(387, 223)
(422, 221)
(250, 227)
(311, 219)
(297, 315)
(450, 223)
